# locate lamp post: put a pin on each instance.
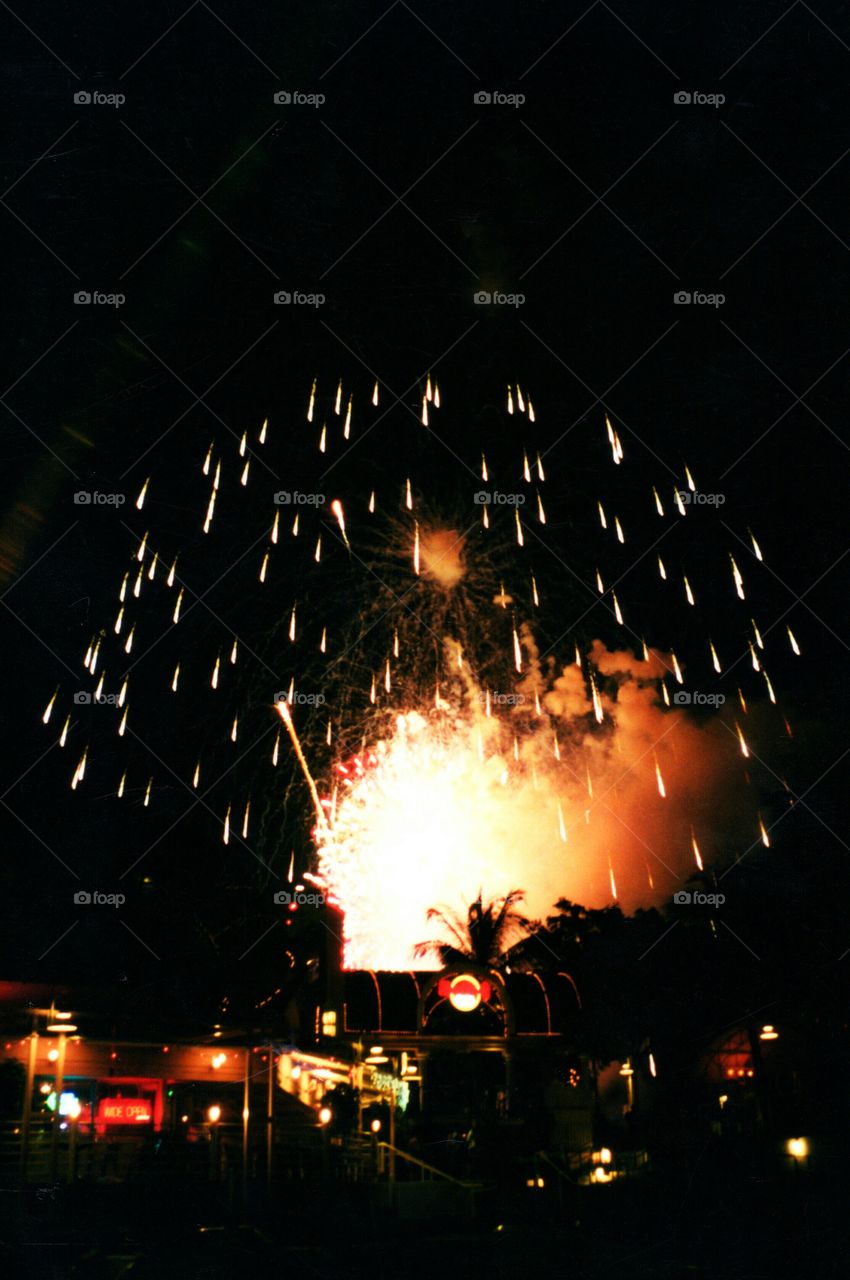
(60, 1024)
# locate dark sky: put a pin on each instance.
(397, 198)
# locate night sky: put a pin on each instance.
(397, 198)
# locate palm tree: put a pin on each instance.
(483, 939)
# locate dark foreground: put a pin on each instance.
(728, 1223)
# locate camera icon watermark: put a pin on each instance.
(285, 298)
(82, 698)
(483, 98)
(696, 498)
(85, 298)
(484, 298)
(484, 497)
(293, 498)
(298, 699)
(685, 898)
(298, 898)
(295, 98)
(686, 698)
(82, 898)
(83, 98)
(684, 98)
(685, 298)
(93, 498)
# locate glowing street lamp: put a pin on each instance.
(768, 1032)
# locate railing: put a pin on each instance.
(390, 1158)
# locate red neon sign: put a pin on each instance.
(125, 1111)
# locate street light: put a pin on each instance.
(214, 1113)
(768, 1032)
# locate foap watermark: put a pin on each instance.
(94, 98)
(486, 298)
(502, 699)
(486, 98)
(696, 498)
(93, 498)
(85, 298)
(298, 699)
(84, 898)
(298, 898)
(686, 298)
(285, 298)
(82, 698)
(483, 498)
(696, 98)
(685, 898)
(295, 98)
(292, 498)
(687, 698)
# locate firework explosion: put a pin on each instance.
(456, 720)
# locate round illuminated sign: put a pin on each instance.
(464, 991)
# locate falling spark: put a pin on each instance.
(387, 681)
(745, 751)
(739, 581)
(122, 594)
(295, 524)
(140, 554)
(526, 469)
(121, 785)
(612, 881)
(323, 643)
(416, 548)
(770, 692)
(152, 569)
(408, 496)
(207, 460)
(292, 625)
(676, 668)
(225, 837)
(531, 414)
(714, 658)
(436, 396)
(170, 579)
(517, 651)
(600, 586)
(45, 719)
(485, 516)
(375, 395)
(428, 392)
(175, 617)
(510, 400)
(243, 479)
(535, 597)
(519, 537)
(217, 476)
(276, 749)
(338, 401)
(688, 593)
(519, 400)
(346, 430)
(122, 696)
(215, 673)
(602, 519)
(765, 839)
(661, 569)
(128, 644)
(63, 736)
(323, 439)
(742, 700)
(210, 509)
(680, 506)
(483, 468)
(658, 507)
(234, 730)
(140, 501)
(148, 792)
(794, 644)
(123, 725)
(312, 401)
(757, 634)
(317, 554)
(617, 611)
(665, 693)
(263, 567)
(753, 656)
(372, 503)
(373, 692)
(695, 847)
(562, 827)
(196, 776)
(175, 678)
(756, 547)
(233, 651)
(541, 514)
(245, 820)
(263, 429)
(424, 417)
(658, 778)
(690, 481)
(137, 585)
(620, 535)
